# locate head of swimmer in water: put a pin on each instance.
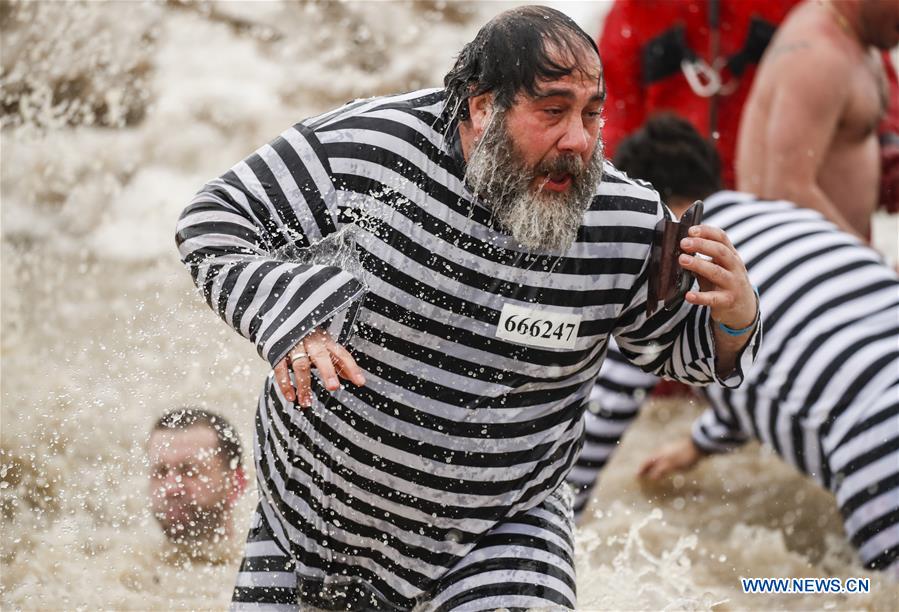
(526, 95)
(196, 475)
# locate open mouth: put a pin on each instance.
(557, 181)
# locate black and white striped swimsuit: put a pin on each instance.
(478, 355)
(824, 390)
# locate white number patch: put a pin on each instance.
(538, 327)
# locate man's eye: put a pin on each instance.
(553, 111)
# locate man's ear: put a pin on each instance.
(238, 485)
(480, 108)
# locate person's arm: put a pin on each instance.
(809, 83)
(624, 109)
(716, 430)
(713, 432)
(260, 243)
(687, 343)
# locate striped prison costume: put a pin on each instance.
(532, 551)
(824, 390)
(406, 490)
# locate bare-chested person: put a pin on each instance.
(809, 127)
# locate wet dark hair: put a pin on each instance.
(182, 418)
(511, 53)
(669, 153)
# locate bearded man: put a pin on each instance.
(462, 257)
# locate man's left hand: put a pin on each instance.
(723, 282)
(724, 287)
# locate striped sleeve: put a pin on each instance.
(259, 242)
(677, 344)
(716, 432)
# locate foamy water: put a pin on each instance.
(126, 109)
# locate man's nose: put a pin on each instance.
(173, 483)
(576, 138)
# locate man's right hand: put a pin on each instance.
(317, 349)
(678, 456)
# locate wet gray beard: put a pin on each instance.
(540, 220)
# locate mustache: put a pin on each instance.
(567, 163)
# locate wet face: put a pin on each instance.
(538, 163)
(880, 23)
(561, 122)
(191, 487)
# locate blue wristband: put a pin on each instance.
(730, 331)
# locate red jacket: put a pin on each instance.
(889, 142)
(642, 45)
